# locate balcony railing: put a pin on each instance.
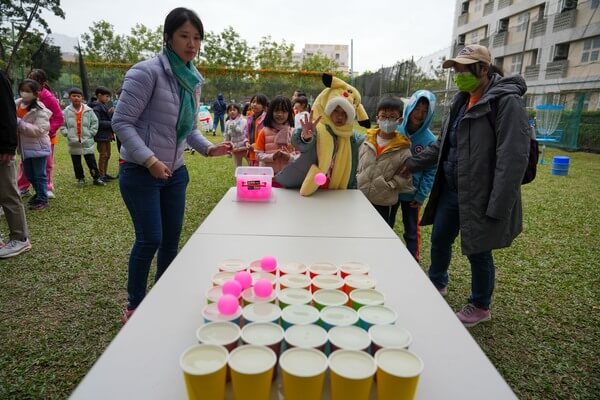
(564, 20)
(485, 42)
(538, 28)
(504, 3)
(488, 8)
(500, 39)
(532, 72)
(557, 69)
(463, 19)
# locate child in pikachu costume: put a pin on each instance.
(333, 150)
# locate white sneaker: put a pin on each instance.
(51, 194)
(14, 248)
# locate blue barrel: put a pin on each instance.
(560, 166)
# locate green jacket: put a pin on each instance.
(89, 127)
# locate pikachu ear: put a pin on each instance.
(327, 79)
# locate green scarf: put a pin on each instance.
(188, 79)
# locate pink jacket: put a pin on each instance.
(51, 103)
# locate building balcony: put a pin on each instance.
(538, 28)
(488, 8)
(485, 42)
(500, 39)
(564, 20)
(463, 19)
(532, 72)
(504, 3)
(557, 69)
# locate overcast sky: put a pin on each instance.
(384, 31)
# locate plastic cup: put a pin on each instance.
(255, 266)
(329, 297)
(264, 275)
(220, 278)
(322, 268)
(300, 314)
(348, 338)
(376, 315)
(389, 336)
(252, 372)
(358, 281)
(306, 336)
(337, 316)
(398, 372)
(232, 265)
(292, 268)
(353, 268)
(351, 375)
(248, 297)
(297, 281)
(221, 333)
(303, 373)
(293, 296)
(213, 294)
(204, 369)
(261, 312)
(263, 334)
(333, 282)
(211, 313)
(366, 297)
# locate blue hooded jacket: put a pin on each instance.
(422, 180)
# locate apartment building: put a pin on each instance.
(339, 53)
(554, 45)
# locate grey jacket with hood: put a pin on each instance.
(490, 165)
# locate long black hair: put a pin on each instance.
(475, 69)
(34, 87)
(179, 16)
(279, 103)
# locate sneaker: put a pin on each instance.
(443, 291)
(38, 206)
(127, 314)
(81, 182)
(24, 193)
(51, 194)
(99, 182)
(471, 315)
(107, 178)
(14, 248)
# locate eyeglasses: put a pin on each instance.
(392, 117)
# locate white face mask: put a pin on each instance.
(387, 125)
(27, 96)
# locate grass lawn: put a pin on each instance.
(60, 304)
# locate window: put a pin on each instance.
(465, 8)
(337, 56)
(515, 63)
(522, 21)
(568, 5)
(561, 51)
(503, 25)
(591, 50)
(534, 57)
(595, 3)
(472, 37)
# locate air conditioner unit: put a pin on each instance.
(503, 25)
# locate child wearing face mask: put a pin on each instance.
(34, 142)
(272, 147)
(381, 158)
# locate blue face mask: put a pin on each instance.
(388, 125)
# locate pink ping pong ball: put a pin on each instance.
(244, 279)
(268, 263)
(263, 288)
(228, 304)
(320, 179)
(232, 287)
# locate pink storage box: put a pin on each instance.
(253, 183)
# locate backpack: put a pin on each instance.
(534, 151)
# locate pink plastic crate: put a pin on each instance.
(254, 183)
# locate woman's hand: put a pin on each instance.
(308, 126)
(160, 171)
(221, 149)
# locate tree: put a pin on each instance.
(318, 62)
(20, 19)
(102, 44)
(48, 58)
(143, 43)
(273, 55)
(226, 49)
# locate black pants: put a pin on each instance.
(90, 160)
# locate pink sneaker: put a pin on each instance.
(127, 313)
(471, 315)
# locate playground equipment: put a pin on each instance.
(547, 118)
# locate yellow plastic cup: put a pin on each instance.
(398, 372)
(303, 373)
(204, 371)
(351, 375)
(252, 372)
(389, 336)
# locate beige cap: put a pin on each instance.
(470, 54)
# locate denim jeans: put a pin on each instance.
(219, 119)
(35, 171)
(412, 233)
(446, 226)
(156, 208)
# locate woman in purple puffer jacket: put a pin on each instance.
(155, 119)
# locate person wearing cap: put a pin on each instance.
(481, 155)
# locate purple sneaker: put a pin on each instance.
(471, 315)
